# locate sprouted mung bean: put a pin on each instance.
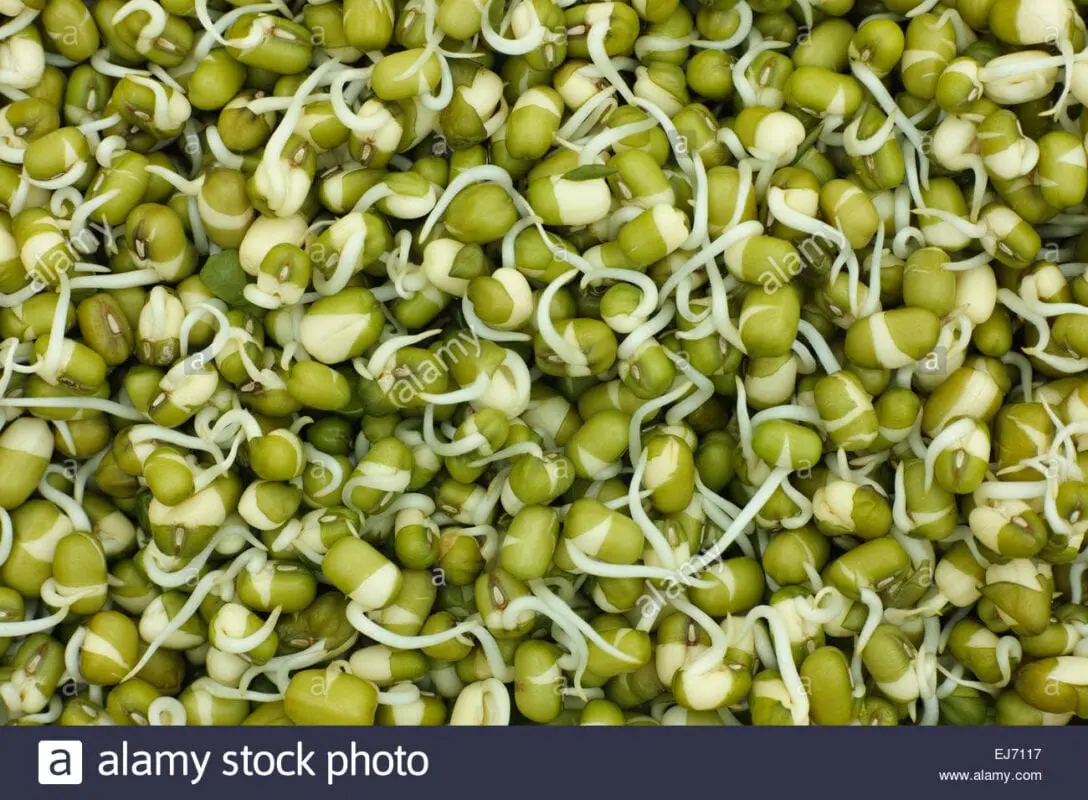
(431, 362)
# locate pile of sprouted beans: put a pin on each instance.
(420, 362)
